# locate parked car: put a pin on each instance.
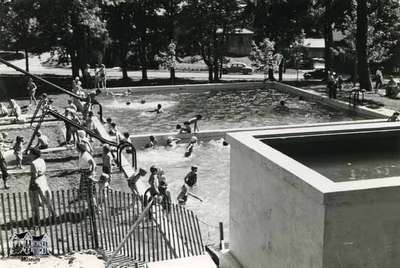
(237, 67)
(315, 74)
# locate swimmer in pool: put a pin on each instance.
(183, 195)
(158, 110)
(194, 121)
(152, 142)
(281, 108)
(171, 141)
(185, 129)
(190, 146)
(191, 178)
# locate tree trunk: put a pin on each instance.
(216, 70)
(124, 69)
(281, 66)
(26, 60)
(328, 35)
(172, 74)
(210, 73)
(361, 45)
(143, 59)
(271, 74)
(74, 63)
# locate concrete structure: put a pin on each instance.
(284, 214)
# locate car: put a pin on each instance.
(315, 74)
(237, 67)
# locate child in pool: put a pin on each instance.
(183, 195)
(185, 129)
(152, 143)
(191, 178)
(190, 146)
(171, 141)
(158, 110)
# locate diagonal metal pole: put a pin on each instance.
(122, 243)
(40, 79)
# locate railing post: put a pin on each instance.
(221, 236)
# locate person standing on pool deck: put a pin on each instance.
(31, 87)
(194, 121)
(191, 178)
(18, 150)
(87, 167)
(39, 191)
(134, 178)
(394, 117)
(107, 160)
(3, 162)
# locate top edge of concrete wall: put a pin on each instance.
(252, 140)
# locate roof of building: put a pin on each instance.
(21, 235)
(37, 237)
(314, 42)
(238, 31)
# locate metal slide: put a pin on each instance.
(78, 126)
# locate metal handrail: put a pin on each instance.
(120, 148)
(68, 92)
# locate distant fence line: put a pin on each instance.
(79, 225)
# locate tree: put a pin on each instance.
(283, 22)
(263, 57)
(121, 28)
(361, 45)
(206, 26)
(20, 27)
(77, 26)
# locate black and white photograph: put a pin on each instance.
(200, 133)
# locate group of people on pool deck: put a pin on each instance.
(17, 148)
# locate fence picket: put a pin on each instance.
(3, 253)
(160, 236)
(70, 219)
(55, 221)
(60, 221)
(50, 224)
(21, 211)
(65, 219)
(178, 241)
(77, 218)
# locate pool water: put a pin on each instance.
(220, 110)
(212, 159)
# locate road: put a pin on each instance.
(36, 67)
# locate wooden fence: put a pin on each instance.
(79, 224)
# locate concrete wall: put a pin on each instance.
(283, 214)
(362, 229)
(276, 220)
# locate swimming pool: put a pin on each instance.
(220, 110)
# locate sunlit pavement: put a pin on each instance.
(37, 68)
